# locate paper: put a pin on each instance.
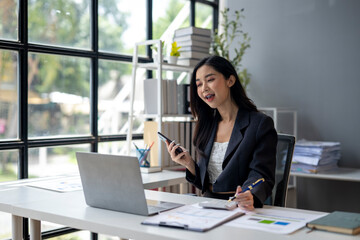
(193, 217)
(274, 220)
(59, 185)
(315, 156)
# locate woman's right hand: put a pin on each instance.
(182, 158)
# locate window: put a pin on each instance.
(65, 71)
(121, 23)
(204, 16)
(8, 95)
(58, 96)
(169, 15)
(9, 160)
(61, 23)
(114, 99)
(9, 19)
(52, 161)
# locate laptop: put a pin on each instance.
(114, 182)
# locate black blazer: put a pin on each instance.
(251, 154)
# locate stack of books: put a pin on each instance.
(175, 98)
(315, 156)
(195, 44)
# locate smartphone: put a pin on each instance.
(219, 204)
(164, 138)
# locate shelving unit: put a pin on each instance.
(159, 65)
(285, 121)
(278, 115)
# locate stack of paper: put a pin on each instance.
(169, 96)
(195, 44)
(315, 156)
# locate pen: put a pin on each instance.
(251, 186)
(136, 146)
(151, 145)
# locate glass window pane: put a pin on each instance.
(9, 19)
(81, 235)
(57, 22)
(169, 15)
(59, 93)
(115, 148)
(121, 24)
(114, 97)
(107, 237)
(8, 95)
(5, 223)
(52, 161)
(9, 160)
(203, 16)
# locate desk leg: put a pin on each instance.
(17, 227)
(35, 229)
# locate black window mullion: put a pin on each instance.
(23, 98)
(94, 79)
(94, 26)
(94, 100)
(192, 13)
(23, 89)
(23, 114)
(216, 16)
(149, 31)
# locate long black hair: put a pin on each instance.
(207, 117)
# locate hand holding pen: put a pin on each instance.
(244, 197)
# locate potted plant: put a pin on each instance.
(222, 42)
(174, 54)
(155, 50)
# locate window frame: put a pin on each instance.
(23, 47)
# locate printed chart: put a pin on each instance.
(274, 220)
(193, 217)
(59, 185)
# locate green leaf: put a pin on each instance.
(232, 29)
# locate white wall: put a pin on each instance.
(305, 54)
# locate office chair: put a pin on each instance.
(284, 154)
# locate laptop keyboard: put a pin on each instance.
(154, 209)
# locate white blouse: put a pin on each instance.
(216, 159)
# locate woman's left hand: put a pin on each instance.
(245, 200)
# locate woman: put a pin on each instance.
(235, 143)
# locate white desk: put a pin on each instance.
(343, 175)
(16, 192)
(70, 209)
(340, 174)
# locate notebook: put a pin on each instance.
(193, 217)
(338, 221)
(114, 182)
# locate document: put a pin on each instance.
(193, 217)
(59, 185)
(274, 220)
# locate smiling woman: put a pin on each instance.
(235, 143)
(211, 83)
